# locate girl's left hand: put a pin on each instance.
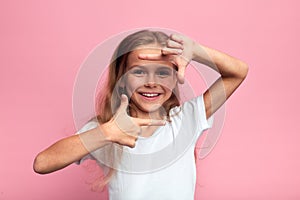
(179, 50)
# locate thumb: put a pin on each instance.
(124, 103)
(180, 74)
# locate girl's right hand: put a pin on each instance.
(123, 129)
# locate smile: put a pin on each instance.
(150, 94)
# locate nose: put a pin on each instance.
(151, 81)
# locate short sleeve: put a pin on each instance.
(88, 126)
(194, 110)
(205, 123)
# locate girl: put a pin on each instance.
(142, 137)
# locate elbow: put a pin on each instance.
(39, 164)
(237, 71)
(243, 70)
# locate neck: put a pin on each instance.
(146, 115)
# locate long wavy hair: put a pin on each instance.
(109, 98)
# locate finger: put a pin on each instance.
(131, 143)
(164, 52)
(180, 74)
(174, 44)
(129, 140)
(171, 51)
(124, 102)
(149, 122)
(150, 56)
(176, 38)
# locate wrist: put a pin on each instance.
(195, 47)
(94, 138)
(199, 53)
(105, 132)
(205, 55)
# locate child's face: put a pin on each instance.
(149, 83)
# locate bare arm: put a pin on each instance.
(121, 129)
(66, 151)
(232, 71)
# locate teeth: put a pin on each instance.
(150, 95)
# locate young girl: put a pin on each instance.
(142, 137)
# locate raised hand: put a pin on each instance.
(123, 129)
(179, 50)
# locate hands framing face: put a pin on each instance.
(179, 50)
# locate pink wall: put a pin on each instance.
(43, 44)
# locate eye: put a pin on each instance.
(138, 72)
(163, 73)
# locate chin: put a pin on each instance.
(150, 109)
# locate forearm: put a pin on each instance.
(68, 150)
(224, 64)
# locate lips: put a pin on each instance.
(150, 95)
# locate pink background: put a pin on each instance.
(43, 43)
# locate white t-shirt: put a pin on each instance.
(161, 166)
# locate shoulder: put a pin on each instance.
(193, 105)
(194, 112)
(88, 126)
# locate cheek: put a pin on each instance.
(168, 84)
(132, 83)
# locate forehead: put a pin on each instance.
(133, 59)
